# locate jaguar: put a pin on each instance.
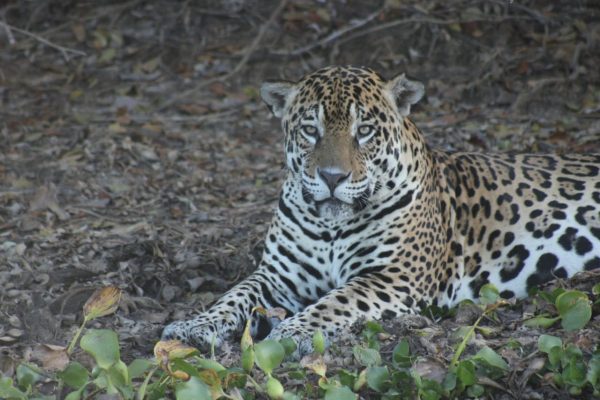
(372, 223)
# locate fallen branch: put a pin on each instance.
(63, 50)
(341, 32)
(247, 53)
(331, 37)
(417, 20)
(9, 35)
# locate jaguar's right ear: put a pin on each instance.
(276, 94)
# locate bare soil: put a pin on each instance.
(135, 151)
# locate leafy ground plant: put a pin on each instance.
(179, 371)
(572, 306)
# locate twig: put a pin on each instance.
(332, 36)
(535, 14)
(249, 50)
(337, 34)
(9, 35)
(418, 20)
(98, 14)
(63, 50)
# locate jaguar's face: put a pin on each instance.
(342, 126)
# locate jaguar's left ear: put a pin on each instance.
(405, 93)
(276, 94)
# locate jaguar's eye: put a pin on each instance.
(310, 131)
(364, 131)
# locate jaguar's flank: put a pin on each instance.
(372, 223)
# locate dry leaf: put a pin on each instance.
(129, 229)
(165, 350)
(46, 198)
(52, 357)
(314, 362)
(246, 336)
(218, 89)
(102, 302)
(79, 32)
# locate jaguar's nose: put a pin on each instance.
(332, 177)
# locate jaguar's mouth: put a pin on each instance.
(334, 208)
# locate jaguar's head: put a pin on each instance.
(345, 138)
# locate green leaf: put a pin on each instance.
(269, 355)
(574, 373)
(430, 390)
(488, 294)
(547, 342)
(492, 358)
(461, 332)
(541, 321)
(426, 394)
(596, 289)
(401, 354)
(193, 389)
(155, 390)
(340, 393)
(449, 382)
(574, 309)
(248, 359)
(475, 390)
(416, 378)
(366, 357)
(27, 376)
(138, 367)
(593, 373)
(119, 375)
(289, 345)
(274, 388)
(210, 364)
(75, 375)
(465, 372)
(318, 341)
(377, 378)
(290, 396)
(8, 391)
(370, 331)
(572, 351)
(555, 356)
(297, 374)
(346, 378)
(550, 297)
(77, 394)
(179, 364)
(485, 330)
(575, 391)
(102, 345)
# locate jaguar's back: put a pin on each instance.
(522, 220)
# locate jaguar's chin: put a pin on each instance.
(333, 208)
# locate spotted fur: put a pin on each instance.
(372, 223)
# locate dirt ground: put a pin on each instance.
(135, 151)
